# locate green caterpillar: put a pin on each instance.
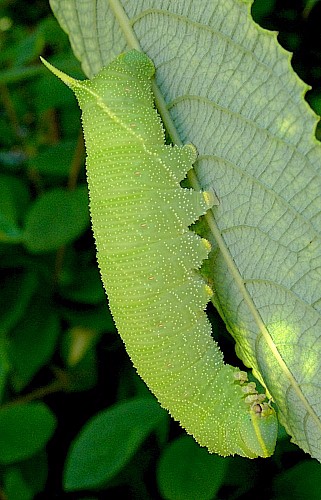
(148, 258)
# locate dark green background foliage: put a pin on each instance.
(75, 420)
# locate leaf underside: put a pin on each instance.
(231, 91)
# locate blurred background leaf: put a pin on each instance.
(184, 470)
(24, 430)
(109, 440)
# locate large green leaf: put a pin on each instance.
(184, 469)
(24, 430)
(231, 91)
(32, 341)
(108, 441)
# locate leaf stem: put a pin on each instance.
(55, 386)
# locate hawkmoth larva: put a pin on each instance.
(148, 259)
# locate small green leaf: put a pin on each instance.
(262, 9)
(15, 486)
(56, 219)
(184, 471)
(108, 441)
(32, 341)
(24, 430)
